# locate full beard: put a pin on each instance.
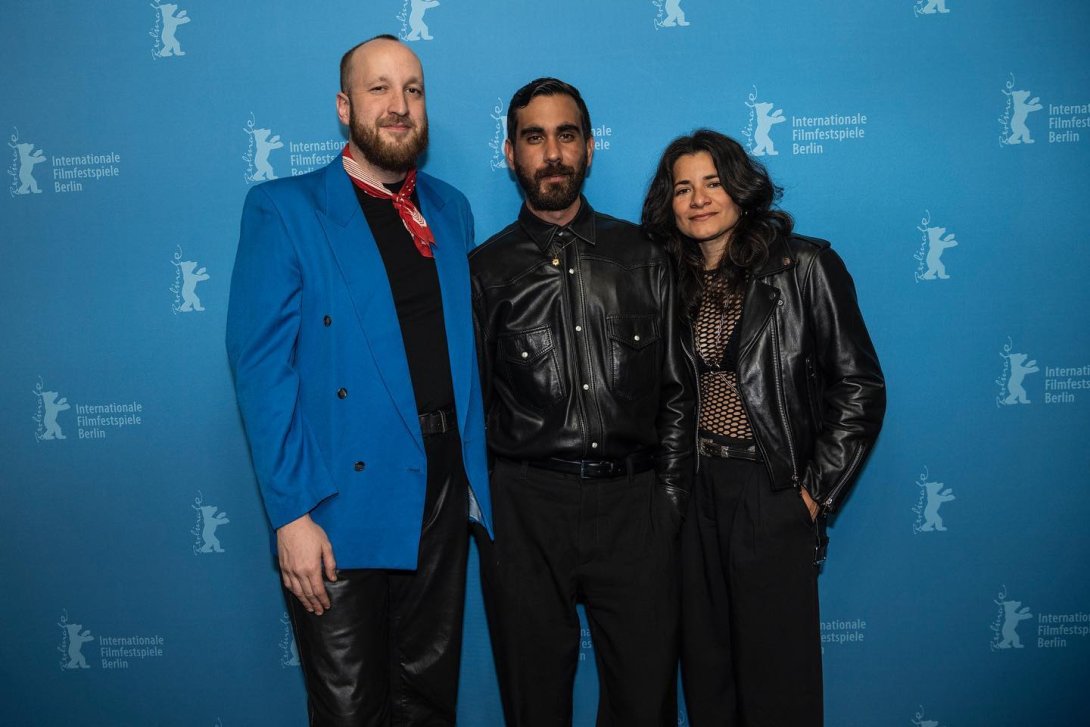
(393, 157)
(554, 196)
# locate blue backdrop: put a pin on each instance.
(942, 146)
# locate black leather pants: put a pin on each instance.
(387, 652)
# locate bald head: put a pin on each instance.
(352, 57)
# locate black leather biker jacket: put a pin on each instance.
(580, 343)
(807, 371)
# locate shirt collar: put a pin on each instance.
(542, 232)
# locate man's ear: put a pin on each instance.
(509, 153)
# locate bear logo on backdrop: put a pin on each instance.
(289, 652)
(934, 240)
(931, 497)
(758, 130)
(209, 519)
(261, 143)
(24, 157)
(929, 7)
(921, 720)
(413, 27)
(668, 14)
(50, 405)
(1016, 366)
(1004, 627)
(499, 136)
(73, 637)
(1019, 104)
(164, 32)
(184, 288)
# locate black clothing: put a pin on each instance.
(414, 282)
(751, 640)
(807, 371)
(582, 359)
(609, 543)
(580, 346)
(387, 653)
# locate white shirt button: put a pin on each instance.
(571, 271)
(525, 355)
(578, 328)
(586, 387)
(594, 445)
(635, 338)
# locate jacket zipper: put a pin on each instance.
(690, 353)
(845, 476)
(781, 401)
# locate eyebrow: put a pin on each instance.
(385, 79)
(706, 178)
(527, 130)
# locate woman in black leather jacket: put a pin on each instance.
(791, 401)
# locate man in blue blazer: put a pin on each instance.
(350, 337)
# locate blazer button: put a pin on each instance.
(359, 466)
(327, 320)
(342, 393)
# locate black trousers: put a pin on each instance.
(608, 543)
(387, 653)
(751, 640)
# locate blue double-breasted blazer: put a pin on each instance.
(319, 365)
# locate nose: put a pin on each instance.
(698, 198)
(552, 149)
(399, 104)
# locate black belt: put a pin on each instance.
(597, 468)
(712, 448)
(439, 421)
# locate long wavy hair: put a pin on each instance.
(747, 182)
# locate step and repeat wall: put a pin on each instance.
(942, 146)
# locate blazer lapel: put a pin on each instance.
(452, 264)
(364, 274)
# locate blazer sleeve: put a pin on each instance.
(263, 320)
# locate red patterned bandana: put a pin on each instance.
(414, 221)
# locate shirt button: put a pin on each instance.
(571, 271)
(586, 387)
(524, 355)
(359, 466)
(327, 320)
(578, 328)
(635, 338)
(342, 393)
(594, 445)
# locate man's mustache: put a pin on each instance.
(553, 170)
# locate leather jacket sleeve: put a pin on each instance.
(676, 419)
(852, 388)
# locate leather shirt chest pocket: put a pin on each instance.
(529, 365)
(634, 355)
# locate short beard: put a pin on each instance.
(392, 157)
(556, 196)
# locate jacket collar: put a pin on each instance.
(542, 232)
(779, 259)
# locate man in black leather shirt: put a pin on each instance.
(589, 396)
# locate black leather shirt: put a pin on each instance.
(580, 345)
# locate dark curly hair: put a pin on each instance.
(747, 182)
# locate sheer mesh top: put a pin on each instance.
(716, 329)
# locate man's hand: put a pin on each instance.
(303, 550)
(810, 504)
